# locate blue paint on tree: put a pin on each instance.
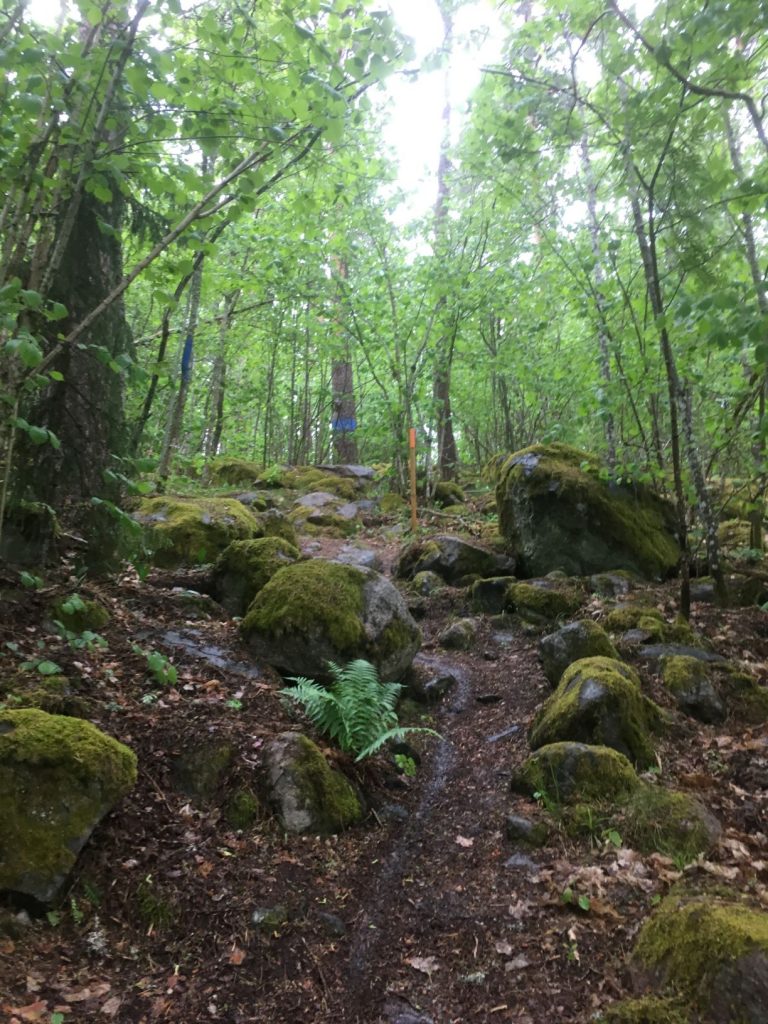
(186, 359)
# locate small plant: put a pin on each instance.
(30, 581)
(159, 667)
(43, 667)
(406, 765)
(356, 711)
(85, 641)
(573, 899)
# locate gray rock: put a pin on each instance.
(310, 795)
(351, 471)
(317, 499)
(610, 584)
(690, 681)
(268, 919)
(460, 635)
(521, 862)
(365, 558)
(426, 583)
(571, 643)
(432, 677)
(519, 829)
(451, 558)
(653, 653)
(507, 733)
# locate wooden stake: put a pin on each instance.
(412, 471)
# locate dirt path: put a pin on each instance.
(425, 914)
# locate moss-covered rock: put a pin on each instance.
(490, 595)
(53, 694)
(459, 635)
(58, 778)
(568, 772)
(314, 612)
(77, 614)
(309, 795)
(244, 567)
(310, 478)
(663, 820)
(242, 809)
(711, 953)
(234, 471)
(691, 682)
(544, 601)
(187, 531)
(599, 701)
(274, 524)
(451, 558)
(448, 492)
(577, 640)
(734, 535)
(646, 1010)
(612, 584)
(392, 503)
(557, 511)
(649, 623)
(200, 770)
(426, 583)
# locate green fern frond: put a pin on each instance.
(399, 733)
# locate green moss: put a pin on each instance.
(201, 769)
(234, 471)
(155, 910)
(734, 534)
(392, 503)
(273, 524)
(632, 519)
(246, 566)
(675, 824)
(652, 622)
(648, 1010)
(542, 603)
(58, 777)
(242, 809)
(193, 530)
(332, 798)
(599, 701)
(323, 521)
(308, 479)
(397, 636)
(426, 583)
(447, 492)
(680, 672)
(315, 594)
(690, 945)
(576, 771)
(78, 614)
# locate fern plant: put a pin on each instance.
(357, 711)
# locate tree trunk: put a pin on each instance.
(344, 421)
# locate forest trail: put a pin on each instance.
(426, 914)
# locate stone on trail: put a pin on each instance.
(314, 612)
(576, 771)
(577, 640)
(459, 635)
(431, 677)
(309, 795)
(58, 778)
(691, 683)
(557, 512)
(599, 701)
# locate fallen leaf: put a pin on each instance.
(504, 948)
(237, 956)
(425, 964)
(463, 841)
(34, 1011)
(112, 1005)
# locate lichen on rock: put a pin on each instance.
(58, 778)
(599, 701)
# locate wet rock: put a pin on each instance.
(521, 862)
(519, 829)
(58, 778)
(451, 558)
(557, 511)
(316, 612)
(573, 642)
(489, 595)
(691, 682)
(710, 952)
(459, 635)
(310, 795)
(599, 701)
(703, 591)
(431, 678)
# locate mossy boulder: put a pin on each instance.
(78, 614)
(558, 512)
(274, 524)
(692, 684)
(666, 821)
(392, 503)
(201, 769)
(710, 953)
(734, 535)
(426, 583)
(187, 531)
(242, 808)
(314, 612)
(308, 794)
(543, 601)
(310, 478)
(612, 584)
(577, 640)
(599, 701)
(451, 558)
(244, 567)
(58, 778)
(234, 471)
(459, 635)
(643, 624)
(490, 595)
(568, 772)
(448, 492)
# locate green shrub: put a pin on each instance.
(356, 711)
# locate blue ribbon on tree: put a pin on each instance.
(186, 359)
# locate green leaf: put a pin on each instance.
(48, 668)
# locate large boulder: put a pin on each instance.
(244, 567)
(710, 953)
(571, 643)
(314, 612)
(557, 512)
(58, 778)
(187, 531)
(599, 701)
(309, 795)
(452, 558)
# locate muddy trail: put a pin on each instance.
(424, 914)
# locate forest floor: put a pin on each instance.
(424, 913)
